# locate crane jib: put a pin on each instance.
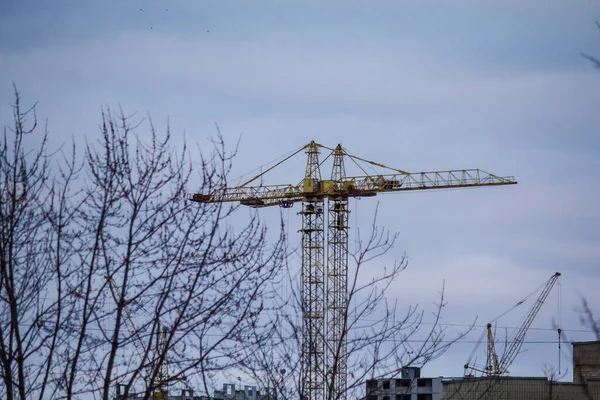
(348, 187)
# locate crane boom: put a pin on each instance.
(511, 353)
(497, 367)
(357, 186)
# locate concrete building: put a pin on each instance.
(182, 394)
(586, 361)
(249, 392)
(186, 394)
(409, 387)
(585, 385)
(229, 392)
(518, 388)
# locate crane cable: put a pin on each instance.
(522, 301)
(377, 164)
(541, 287)
(284, 160)
(559, 330)
(354, 158)
(274, 166)
(354, 161)
(295, 151)
(477, 344)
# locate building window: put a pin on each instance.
(386, 397)
(403, 397)
(372, 397)
(402, 382)
(423, 382)
(386, 385)
(424, 397)
(372, 384)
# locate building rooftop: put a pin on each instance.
(486, 378)
(592, 342)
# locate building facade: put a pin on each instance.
(409, 387)
(585, 385)
(248, 392)
(586, 361)
(519, 388)
(182, 394)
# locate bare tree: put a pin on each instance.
(594, 60)
(553, 375)
(164, 276)
(34, 215)
(381, 336)
(110, 276)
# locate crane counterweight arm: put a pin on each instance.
(359, 186)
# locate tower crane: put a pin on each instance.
(158, 384)
(155, 361)
(499, 366)
(324, 215)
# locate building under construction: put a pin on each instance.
(182, 394)
(229, 392)
(248, 392)
(585, 385)
(409, 386)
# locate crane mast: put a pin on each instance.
(162, 377)
(324, 273)
(492, 363)
(156, 362)
(313, 281)
(337, 284)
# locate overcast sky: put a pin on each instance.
(418, 85)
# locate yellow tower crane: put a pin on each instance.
(155, 357)
(155, 363)
(325, 256)
(496, 366)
